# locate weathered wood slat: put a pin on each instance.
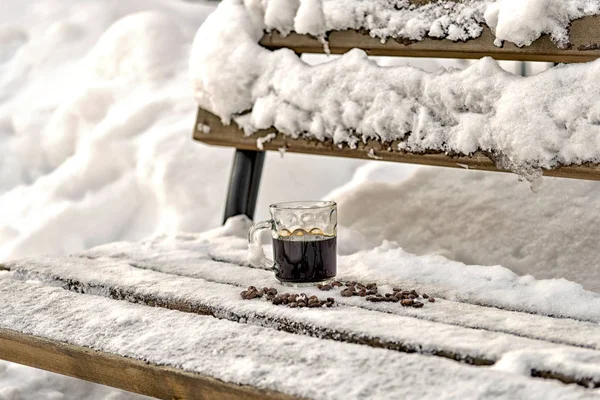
(585, 38)
(485, 353)
(232, 136)
(120, 372)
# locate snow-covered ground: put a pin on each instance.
(95, 125)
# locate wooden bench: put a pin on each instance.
(102, 294)
(248, 161)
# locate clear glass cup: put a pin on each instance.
(304, 241)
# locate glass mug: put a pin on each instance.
(304, 241)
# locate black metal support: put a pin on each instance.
(244, 182)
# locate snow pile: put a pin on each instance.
(351, 99)
(95, 122)
(479, 218)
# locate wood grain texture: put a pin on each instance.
(231, 136)
(120, 372)
(585, 38)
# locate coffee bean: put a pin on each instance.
(251, 288)
(371, 285)
(270, 297)
(277, 300)
(250, 295)
(326, 287)
(329, 304)
(314, 305)
(293, 298)
(330, 299)
(425, 295)
(350, 283)
(407, 302)
(301, 304)
(388, 295)
(293, 304)
(393, 299)
(272, 291)
(414, 292)
(412, 296)
(372, 291)
(285, 300)
(347, 292)
(396, 289)
(431, 300)
(360, 286)
(259, 293)
(243, 294)
(319, 286)
(336, 283)
(362, 293)
(418, 304)
(312, 301)
(398, 295)
(405, 292)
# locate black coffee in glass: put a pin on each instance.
(304, 242)
(308, 258)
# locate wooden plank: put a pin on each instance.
(232, 136)
(417, 341)
(585, 45)
(120, 372)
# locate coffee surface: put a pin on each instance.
(306, 258)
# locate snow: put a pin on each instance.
(247, 354)
(352, 99)
(95, 130)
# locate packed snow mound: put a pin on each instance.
(138, 46)
(103, 150)
(480, 218)
(522, 124)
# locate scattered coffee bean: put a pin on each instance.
(243, 294)
(412, 296)
(425, 295)
(396, 289)
(293, 304)
(398, 295)
(326, 287)
(393, 299)
(250, 295)
(407, 302)
(371, 285)
(414, 292)
(418, 304)
(405, 292)
(336, 283)
(329, 304)
(301, 304)
(431, 299)
(362, 292)
(259, 293)
(348, 292)
(372, 291)
(330, 299)
(277, 300)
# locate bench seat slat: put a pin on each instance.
(232, 136)
(585, 40)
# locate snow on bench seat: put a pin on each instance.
(181, 274)
(250, 355)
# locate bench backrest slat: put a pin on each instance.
(232, 136)
(584, 33)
